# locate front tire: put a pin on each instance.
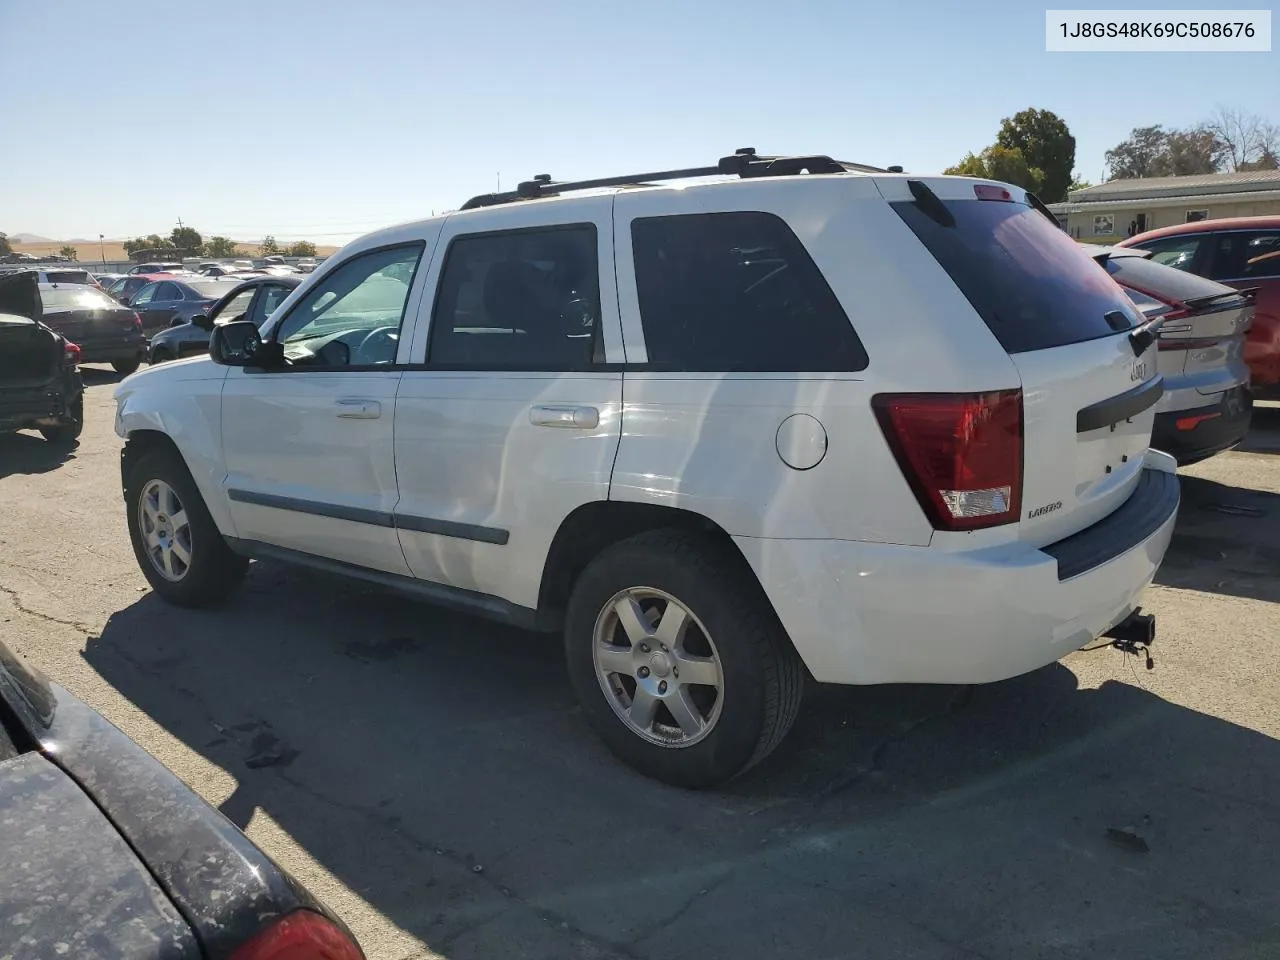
(65, 434)
(161, 356)
(666, 602)
(178, 546)
(125, 367)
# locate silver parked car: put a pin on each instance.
(1206, 406)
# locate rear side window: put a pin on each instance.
(1031, 283)
(1164, 282)
(725, 292)
(1177, 252)
(519, 299)
(1247, 255)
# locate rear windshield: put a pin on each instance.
(1030, 282)
(212, 289)
(1167, 283)
(68, 276)
(73, 298)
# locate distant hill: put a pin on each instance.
(29, 238)
(87, 251)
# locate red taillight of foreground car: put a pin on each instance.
(137, 319)
(71, 354)
(960, 452)
(301, 935)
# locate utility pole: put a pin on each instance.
(102, 250)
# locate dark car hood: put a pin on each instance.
(20, 294)
(69, 884)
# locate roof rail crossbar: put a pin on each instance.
(743, 163)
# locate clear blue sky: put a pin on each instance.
(325, 120)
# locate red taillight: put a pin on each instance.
(961, 453)
(301, 935)
(987, 191)
(71, 353)
(137, 319)
(1190, 423)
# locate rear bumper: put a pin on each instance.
(1192, 435)
(112, 352)
(865, 613)
(44, 404)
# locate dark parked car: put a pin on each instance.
(251, 300)
(126, 288)
(105, 331)
(1206, 406)
(40, 387)
(106, 854)
(167, 303)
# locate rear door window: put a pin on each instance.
(726, 292)
(168, 291)
(519, 299)
(273, 294)
(1032, 284)
(1246, 255)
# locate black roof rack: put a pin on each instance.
(744, 163)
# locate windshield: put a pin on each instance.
(1030, 282)
(76, 298)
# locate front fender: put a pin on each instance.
(183, 402)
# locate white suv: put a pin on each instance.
(722, 431)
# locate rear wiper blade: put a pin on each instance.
(1247, 293)
(930, 204)
(1142, 337)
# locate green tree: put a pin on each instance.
(1138, 155)
(152, 241)
(1188, 153)
(1078, 184)
(268, 246)
(970, 166)
(300, 248)
(1046, 145)
(69, 252)
(220, 247)
(186, 239)
(5, 247)
(1000, 163)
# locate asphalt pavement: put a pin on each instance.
(429, 776)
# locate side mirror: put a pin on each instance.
(202, 321)
(235, 344)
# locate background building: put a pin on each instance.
(1120, 208)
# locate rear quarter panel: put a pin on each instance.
(708, 442)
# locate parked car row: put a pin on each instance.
(1240, 252)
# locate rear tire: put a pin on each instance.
(125, 367)
(728, 636)
(65, 434)
(178, 546)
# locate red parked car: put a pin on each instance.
(1242, 252)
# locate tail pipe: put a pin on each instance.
(1135, 634)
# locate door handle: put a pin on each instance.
(352, 408)
(566, 417)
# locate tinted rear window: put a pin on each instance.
(68, 276)
(1030, 282)
(211, 289)
(737, 292)
(76, 298)
(1164, 282)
